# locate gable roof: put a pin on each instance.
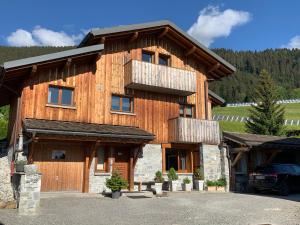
(151, 25)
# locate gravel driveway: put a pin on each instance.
(177, 209)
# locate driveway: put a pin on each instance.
(177, 209)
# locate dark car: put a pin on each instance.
(282, 178)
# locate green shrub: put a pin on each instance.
(172, 174)
(158, 177)
(221, 182)
(198, 174)
(210, 183)
(116, 182)
(186, 180)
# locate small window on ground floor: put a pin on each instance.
(101, 160)
(58, 155)
(179, 159)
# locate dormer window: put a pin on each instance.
(148, 56)
(164, 60)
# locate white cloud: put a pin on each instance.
(293, 43)
(213, 23)
(42, 37)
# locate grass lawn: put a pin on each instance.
(292, 111)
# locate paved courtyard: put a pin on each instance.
(177, 209)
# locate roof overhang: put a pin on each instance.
(90, 130)
(216, 99)
(217, 67)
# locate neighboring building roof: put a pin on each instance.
(54, 127)
(53, 56)
(262, 141)
(162, 23)
(216, 98)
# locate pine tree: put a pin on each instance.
(266, 117)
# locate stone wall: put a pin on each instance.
(28, 188)
(6, 190)
(97, 181)
(211, 159)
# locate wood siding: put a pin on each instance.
(164, 79)
(95, 81)
(189, 130)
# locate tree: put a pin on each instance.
(266, 117)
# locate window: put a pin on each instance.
(101, 160)
(122, 103)
(60, 96)
(164, 60)
(58, 154)
(179, 159)
(148, 56)
(187, 111)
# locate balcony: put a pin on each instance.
(157, 78)
(189, 130)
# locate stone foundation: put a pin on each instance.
(6, 190)
(97, 181)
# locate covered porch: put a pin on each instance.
(75, 156)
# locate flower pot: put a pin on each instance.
(187, 187)
(173, 185)
(19, 167)
(199, 185)
(158, 188)
(212, 188)
(220, 189)
(115, 194)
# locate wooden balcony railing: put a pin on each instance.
(189, 130)
(151, 77)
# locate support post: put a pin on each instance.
(131, 170)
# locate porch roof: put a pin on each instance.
(262, 141)
(54, 127)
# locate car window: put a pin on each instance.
(296, 168)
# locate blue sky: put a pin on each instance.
(239, 25)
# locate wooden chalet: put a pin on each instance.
(132, 99)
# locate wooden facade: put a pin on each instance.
(157, 92)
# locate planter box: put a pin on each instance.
(199, 185)
(158, 188)
(187, 187)
(215, 189)
(173, 185)
(115, 194)
(221, 189)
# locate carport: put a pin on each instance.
(247, 151)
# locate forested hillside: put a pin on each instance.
(282, 64)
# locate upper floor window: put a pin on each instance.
(148, 56)
(60, 95)
(187, 110)
(121, 103)
(164, 60)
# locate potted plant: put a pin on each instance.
(158, 182)
(211, 185)
(19, 165)
(187, 184)
(221, 184)
(199, 179)
(173, 177)
(115, 184)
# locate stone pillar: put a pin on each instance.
(29, 190)
(225, 166)
(211, 161)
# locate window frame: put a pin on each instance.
(167, 57)
(105, 163)
(149, 53)
(60, 94)
(131, 99)
(56, 159)
(193, 108)
(178, 152)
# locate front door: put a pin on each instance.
(121, 165)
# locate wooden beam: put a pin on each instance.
(131, 170)
(102, 40)
(162, 34)
(236, 159)
(33, 70)
(10, 89)
(68, 63)
(191, 51)
(214, 67)
(272, 156)
(241, 149)
(133, 37)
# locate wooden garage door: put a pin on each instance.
(61, 166)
